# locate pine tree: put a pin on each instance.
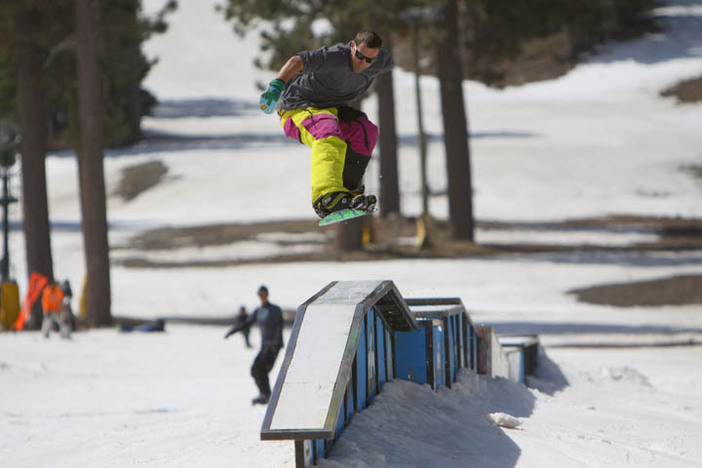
(32, 122)
(458, 171)
(38, 72)
(90, 157)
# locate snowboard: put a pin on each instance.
(342, 215)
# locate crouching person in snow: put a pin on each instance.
(55, 311)
(269, 318)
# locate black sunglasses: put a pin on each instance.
(360, 56)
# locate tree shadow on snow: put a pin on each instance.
(412, 139)
(202, 108)
(65, 226)
(160, 141)
(610, 256)
(163, 142)
(569, 328)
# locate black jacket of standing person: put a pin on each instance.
(269, 318)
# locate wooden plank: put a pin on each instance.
(307, 389)
(308, 398)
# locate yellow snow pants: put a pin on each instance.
(340, 151)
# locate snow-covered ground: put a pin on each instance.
(598, 141)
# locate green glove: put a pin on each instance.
(270, 97)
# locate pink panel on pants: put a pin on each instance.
(290, 129)
(362, 135)
(323, 126)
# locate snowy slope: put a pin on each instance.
(595, 142)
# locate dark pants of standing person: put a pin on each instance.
(262, 365)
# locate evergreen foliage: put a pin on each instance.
(497, 33)
(293, 23)
(492, 32)
(123, 63)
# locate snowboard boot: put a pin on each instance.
(331, 202)
(335, 201)
(364, 202)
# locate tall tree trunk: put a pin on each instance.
(32, 121)
(387, 142)
(349, 234)
(92, 175)
(455, 126)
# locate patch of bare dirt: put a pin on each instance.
(540, 59)
(396, 238)
(139, 178)
(689, 91)
(215, 234)
(678, 290)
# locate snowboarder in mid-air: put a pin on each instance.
(315, 89)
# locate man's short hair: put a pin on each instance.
(263, 288)
(371, 39)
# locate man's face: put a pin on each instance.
(263, 295)
(360, 54)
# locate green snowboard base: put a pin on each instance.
(342, 215)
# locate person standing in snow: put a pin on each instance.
(52, 303)
(269, 318)
(66, 308)
(316, 89)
